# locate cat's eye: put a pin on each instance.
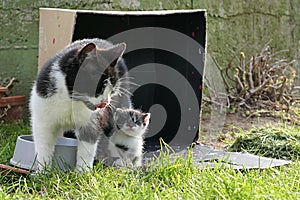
(131, 115)
(133, 119)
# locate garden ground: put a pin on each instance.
(161, 179)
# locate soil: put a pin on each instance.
(227, 132)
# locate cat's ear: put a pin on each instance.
(86, 50)
(114, 53)
(146, 118)
(119, 110)
(118, 49)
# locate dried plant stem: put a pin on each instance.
(262, 77)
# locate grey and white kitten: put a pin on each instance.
(125, 146)
(66, 92)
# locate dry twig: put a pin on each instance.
(262, 78)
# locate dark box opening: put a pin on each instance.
(169, 109)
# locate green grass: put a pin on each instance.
(160, 180)
(8, 137)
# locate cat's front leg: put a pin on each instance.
(87, 146)
(85, 155)
(44, 142)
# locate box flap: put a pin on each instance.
(55, 32)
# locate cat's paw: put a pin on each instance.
(80, 168)
(119, 163)
(123, 163)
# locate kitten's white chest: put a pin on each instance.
(134, 144)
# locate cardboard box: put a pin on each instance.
(165, 55)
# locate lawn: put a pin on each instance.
(159, 180)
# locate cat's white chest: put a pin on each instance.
(79, 114)
(60, 109)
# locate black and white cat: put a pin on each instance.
(125, 146)
(65, 93)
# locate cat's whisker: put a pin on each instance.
(128, 81)
(111, 105)
(127, 93)
(121, 91)
(119, 87)
(113, 102)
(132, 83)
(126, 77)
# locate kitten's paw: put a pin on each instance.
(137, 162)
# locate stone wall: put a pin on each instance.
(231, 24)
(250, 25)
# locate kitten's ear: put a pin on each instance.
(118, 112)
(86, 50)
(146, 118)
